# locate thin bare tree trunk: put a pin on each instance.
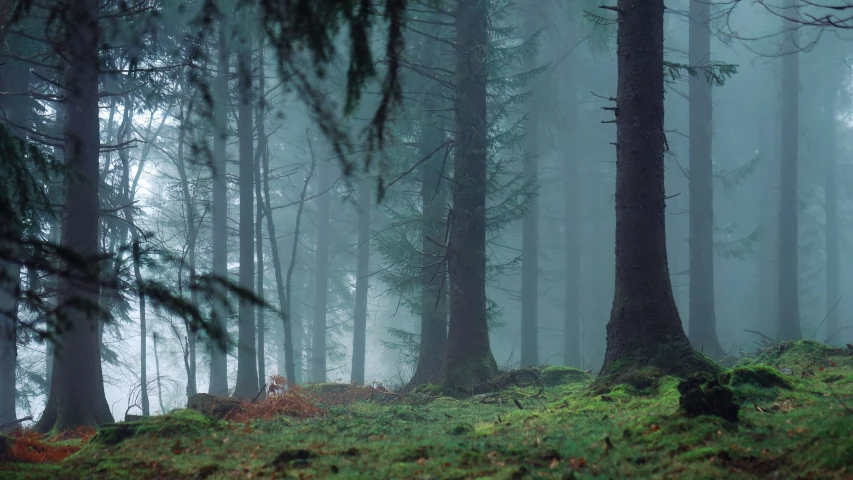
(362, 284)
(530, 224)
(218, 362)
(789, 293)
(703, 322)
(192, 232)
(321, 276)
(833, 262)
(157, 372)
(259, 240)
(247, 362)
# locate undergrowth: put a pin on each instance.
(790, 425)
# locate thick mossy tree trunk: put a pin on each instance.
(321, 275)
(789, 293)
(530, 223)
(77, 391)
(247, 362)
(219, 215)
(362, 284)
(703, 323)
(644, 329)
(469, 354)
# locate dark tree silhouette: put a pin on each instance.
(469, 354)
(703, 323)
(789, 293)
(77, 388)
(644, 328)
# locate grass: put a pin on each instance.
(791, 426)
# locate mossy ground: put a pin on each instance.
(791, 426)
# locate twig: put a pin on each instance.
(259, 393)
(6, 425)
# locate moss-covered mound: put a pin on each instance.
(674, 359)
(755, 382)
(560, 375)
(802, 354)
(179, 423)
(342, 393)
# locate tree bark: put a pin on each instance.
(14, 78)
(192, 232)
(157, 372)
(321, 276)
(77, 390)
(128, 214)
(530, 222)
(789, 297)
(702, 318)
(218, 367)
(469, 354)
(261, 153)
(833, 262)
(644, 327)
(247, 361)
(281, 288)
(432, 349)
(572, 199)
(362, 284)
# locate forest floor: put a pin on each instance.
(795, 421)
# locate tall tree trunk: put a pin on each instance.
(137, 252)
(321, 276)
(282, 289)
(56, 189)
(833, 262)
(572, 199)
(192, 232)
(703, 323)
(9, 292)
(77, 390)
(157, 371)
(789, 296)
(359, 336)
(247, 362)
(14, 78)
(218, 362)
(143, 328)
(433, 345)
(469, 354)
(259, 241)
(644, 327)
(530, 223)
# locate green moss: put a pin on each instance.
(560, 375)
(177, 423)
(643, 374)
(802, 353)
(703, 394)
(634, 433)
(429, 389)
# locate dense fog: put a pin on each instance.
(228, 147)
